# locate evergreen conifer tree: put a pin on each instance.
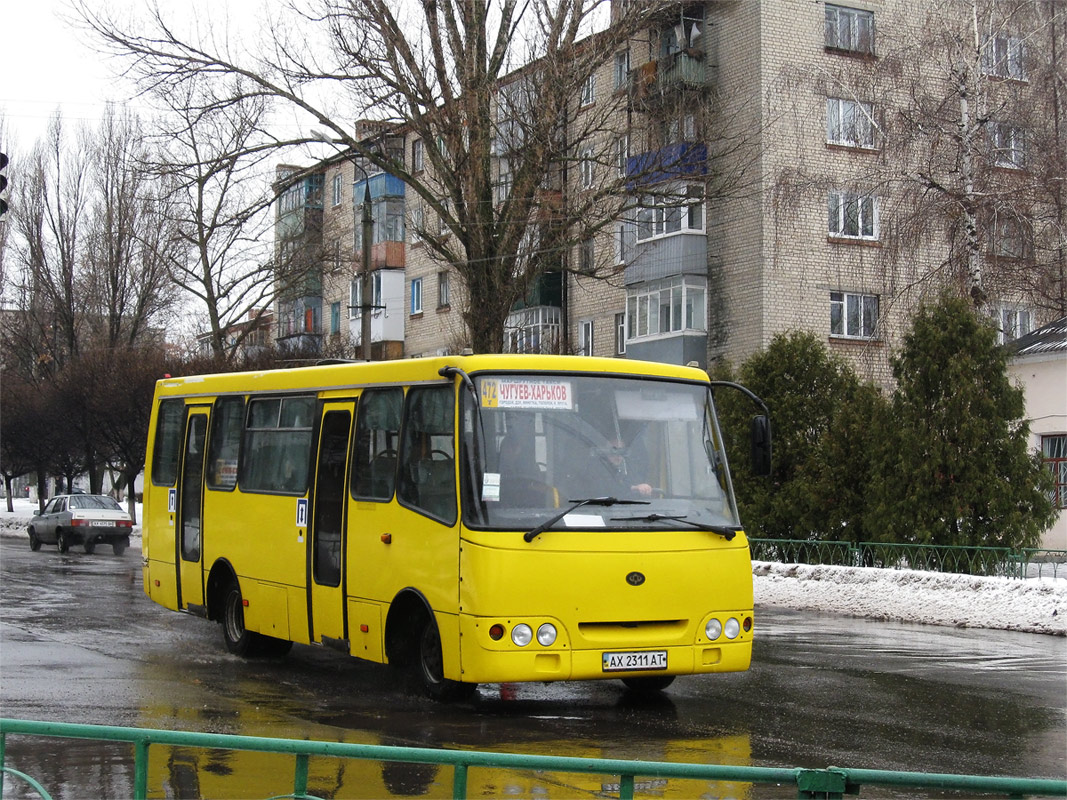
(953, 467)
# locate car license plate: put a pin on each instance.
(646, 659)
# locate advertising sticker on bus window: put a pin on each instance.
(516, 393)
(491, 487)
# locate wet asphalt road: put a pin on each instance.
(80, 642)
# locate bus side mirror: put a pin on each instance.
(760, 436)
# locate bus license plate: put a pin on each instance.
(624, 662)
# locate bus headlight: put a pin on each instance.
(546, 634)
(733, 628)
(521, 634)
(713, 630)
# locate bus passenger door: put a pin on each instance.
(326, 544)
(190, 500)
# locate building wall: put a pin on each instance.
(1044, 379)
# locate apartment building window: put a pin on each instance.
(586, 168)
(502, 184)
(417, 156)
(1002, 56)
(1054, 454)
(1013, 321)
(585, 337)
(622, 69)
(620, 334)
(852, 215)
(1011, 240)
(622, 153)
(850, 30)
(415, 229)
(665, 214)
(589, 90)
(587, 256)
(356, 294)
(335, 317)
(853, 316)
(665, 307)
(850, 123)
(444, 299)
(335, 253)
(416, 295)
(338, 191)
(1009, 145)
(533, 330)
(621, 240)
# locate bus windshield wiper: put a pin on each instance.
(529, 536)
(727, 532)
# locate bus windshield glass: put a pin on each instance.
(537, 444)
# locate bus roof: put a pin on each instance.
(413, 370)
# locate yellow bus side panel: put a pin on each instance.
(367, 643)
(296, 599)
(160, 583)
(267, 611)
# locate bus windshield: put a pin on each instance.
(537, 444)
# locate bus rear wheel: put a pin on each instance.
(431, 673)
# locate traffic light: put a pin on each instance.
(3, 184)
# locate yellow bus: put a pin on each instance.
(469, 519)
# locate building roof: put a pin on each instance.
(1051, 338)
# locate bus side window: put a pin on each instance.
(427, 453)
(277, 445)
(226, 424)
(376, 441)
(169, 422)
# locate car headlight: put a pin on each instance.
(522, 634)
(713, 630)
(546, 634)
(733, 628)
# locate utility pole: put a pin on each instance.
(365, 301)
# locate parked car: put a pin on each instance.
(85, 519)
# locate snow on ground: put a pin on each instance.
(1034, 605)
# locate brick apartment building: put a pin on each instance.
(780, 165)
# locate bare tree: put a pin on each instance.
(491, 91)
(127, 282)
(218, 203)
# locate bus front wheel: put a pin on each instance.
(431, 668)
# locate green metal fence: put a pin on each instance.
(1002, 561)
(832, 782)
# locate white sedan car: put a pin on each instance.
(85, 519)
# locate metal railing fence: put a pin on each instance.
(832, 782)
(1001, 561)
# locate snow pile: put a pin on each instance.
(1034, 605)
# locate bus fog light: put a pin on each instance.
(546, 634)
(713, 630)
(733, 628)
(521, 635)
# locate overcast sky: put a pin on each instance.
(46, 64)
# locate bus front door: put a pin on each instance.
(190, 499)
(326, 544)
